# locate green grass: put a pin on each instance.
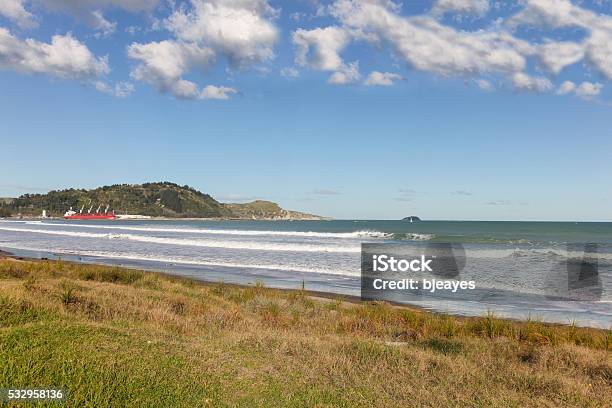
(115, 337)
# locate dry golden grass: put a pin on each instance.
(118, 337)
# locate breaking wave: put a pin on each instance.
(249, 245)
(310, 234)
(195, 262)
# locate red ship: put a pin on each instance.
(106, 215)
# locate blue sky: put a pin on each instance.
(452, 109)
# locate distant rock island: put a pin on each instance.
(159, 199)
(412, 218)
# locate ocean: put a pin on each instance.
(511, 262)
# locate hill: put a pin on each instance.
(266, 209)
(161, 199)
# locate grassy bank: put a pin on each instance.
(117, 337)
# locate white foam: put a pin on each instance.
(312, 234)
(182, 261)
(419, 237)
(248, 245)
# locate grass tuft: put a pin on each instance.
(444, 346)
(67, 293)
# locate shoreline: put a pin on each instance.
(318, 295)
(112, 336)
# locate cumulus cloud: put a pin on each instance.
(588, 90)
(217, 92)
(242, 30)
(566, 87)
(555, 56)
(427, 45)
(162, 64)
(382, 78)
(473, 7)
(319, 48)
(64, 57)
(346, 74)
(596, 47)
(524, 82)
(14, 10)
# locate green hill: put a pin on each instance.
(162, 199)
(265, 209)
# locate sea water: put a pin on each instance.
(510, 261)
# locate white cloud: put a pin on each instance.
(15, 11)
(566, 87)
(555, 56)
(319, 48)
(217, 92)
(346, 74)
(162, 64)
(382, 78)
(120, 90)
(525, 82)
(427, 45)
(105, 27)
(552, 13)
(474, 7)
(242, 30)
(290, 72)
(485, 85)
(597, 46)
(588, 90)
(65, 57)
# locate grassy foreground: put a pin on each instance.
(118, 337)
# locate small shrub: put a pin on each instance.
(67, 293)
(490, 324)
(271, 314)
(449, 327)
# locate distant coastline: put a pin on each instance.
(158, 200)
